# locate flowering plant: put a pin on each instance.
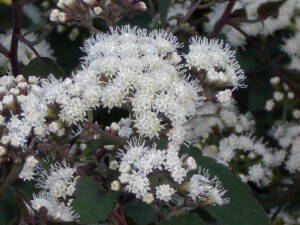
(148, 127)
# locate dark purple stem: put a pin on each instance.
(17, 16)
(4, 50)
(224, 19)
(267, 58)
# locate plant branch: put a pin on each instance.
(294, 87)
(17, 17)
(12, 176)
(223, 20)
(4, 50)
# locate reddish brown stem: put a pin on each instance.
(17, 16)
(224, 19)
(294, 87)
(4, 50)
(119, 218)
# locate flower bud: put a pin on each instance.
(22, 86)
(39, 131)
(124, 168)
(98, 11)
(113, 165)
(2, 151)
(109, 147)
(1, 107)
(5, 140)
(20, 78)
(190, 163)
(148, 198)
(34, 79)
(54, 17)
(275, 80)
(14, 91)
(54, 126)
(115, 185)
(140, 6)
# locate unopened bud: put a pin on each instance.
(124, 178)
(148, 198)
(124, 168)
(113, 165)
(2, 151)
(61, 132)
(98, 10)
(190, 163)
(54, 17)
(20, 78)
(14, 91)
(83, 146)
(274, 80)
(5, 140)
(23, 87)
(140, 6)
(109, 147)
(115, 185)
(54, 127)
(34, 79)
(39, 131)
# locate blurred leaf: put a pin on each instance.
(140, 212)
(243, 208)
(142, 20)
(43, 68)
(163, 10)
(90, 203)
(8, 207)
(269, 8)
(187, 219)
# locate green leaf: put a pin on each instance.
(90, 203)
(163, 10)
(269, 9)
(140, 212)
(8, 207)
(43, 67)
(243, 208)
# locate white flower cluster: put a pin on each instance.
(218, 118)
(127, 67)
(58, 186)
(259, 159)
(281, 95)
(143, 70)
(140, 164)
(288, 137)
(28, 171)
(217, 59)
(25, 54)
(265, 27)
(178, 8)
(202, 187)
(291, 47)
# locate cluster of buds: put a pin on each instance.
(78, 11)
